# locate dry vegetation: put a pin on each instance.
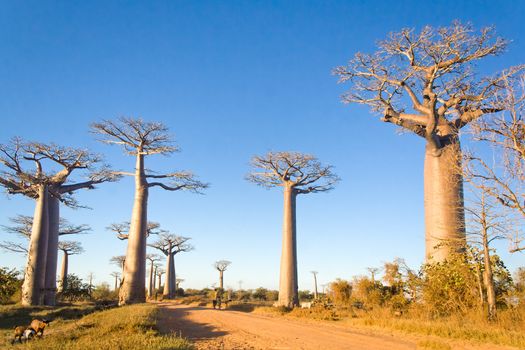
(90, 327)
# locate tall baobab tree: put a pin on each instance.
(68, 248)
(314, 273)
(433, 71)
(141, 139)
(221, 266)
(296, 173)
(152, 258)
(170, 245)
(159, 274)
(373, 271)
(116, 275)
(49, 184)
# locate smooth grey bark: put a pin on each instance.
(34, 278)
(443, 198)
(288, 286)
(52, 252)
(169, 284)
(316, 294)
(150, 282)
(63, 272)
(132, 289)
(160, 281)
(116, 283)
(221, 279)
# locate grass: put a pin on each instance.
(86, 327)
(507, 330)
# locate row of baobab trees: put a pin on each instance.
(426, 83)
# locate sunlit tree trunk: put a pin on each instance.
(169, 284)
(288, 289)
(132, 290)
(315, 287)
(63, 272)
(488, 277)
(52, 252)
(221, 279)
(444, 211)
(34, 278)
(151, 285)
(116, 283)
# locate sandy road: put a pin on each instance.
(233, 330)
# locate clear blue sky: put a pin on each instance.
(231, 79)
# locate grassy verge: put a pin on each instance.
(86, 327)
(507, 330)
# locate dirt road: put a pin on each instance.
(232, 330)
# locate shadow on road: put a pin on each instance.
(175, 321)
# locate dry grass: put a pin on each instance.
(129, 327)
(507, 330)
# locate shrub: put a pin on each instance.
(9, 284)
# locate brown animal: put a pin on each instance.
(39, 325)
(19, 332)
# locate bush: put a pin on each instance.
(340, 292)
(76, 289)
(102, 292)
(9, 284)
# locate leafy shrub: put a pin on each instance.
(9, 284)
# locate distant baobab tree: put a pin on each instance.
(373, 271)
(314, 273)
(22, 225)
(68, 248)
(434, 70)
(116, 275)
(159, 274)
(221, 266)
(122, 229)
(48, 187)
(119, 261)
(170, 245)
(296, 173)
(178, 281)
(140, 138)
(152, 258)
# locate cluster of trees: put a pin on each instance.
(49, 182)
(426, 83)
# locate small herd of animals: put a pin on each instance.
(26, 333)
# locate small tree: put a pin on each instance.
(296, 173)
(141, 139)
(221, 266)
(152, 258)
(68, 248)
(9, 284)
(340, 292)
(170, 245)
(432, 72)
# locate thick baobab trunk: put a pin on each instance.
(132, 290)
(288, 289)
(315, 286)
(221, 279)
(52, 252)
(150, 284)
(34, 278)
(444, 211)
(63, 272)
(169, 284)
(488, 278)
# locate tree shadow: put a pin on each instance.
(176, 321)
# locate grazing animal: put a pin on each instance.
(19, 332)
(39, 325)
(28, 334)
(306, 305)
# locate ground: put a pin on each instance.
(233, 330)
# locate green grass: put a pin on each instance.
(86, 327)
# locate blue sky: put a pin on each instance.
(231, 79)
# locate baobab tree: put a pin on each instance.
(159, 274)
(48, 186)
(119, 260)
(152, 258)
(296, 173)
(22, 225)
(433, 71)
(170, 245)
(122, 229)
(221, 266)
(116, 275)
(178, 281)
(68, 248)
(141, 139)
(314, 273)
